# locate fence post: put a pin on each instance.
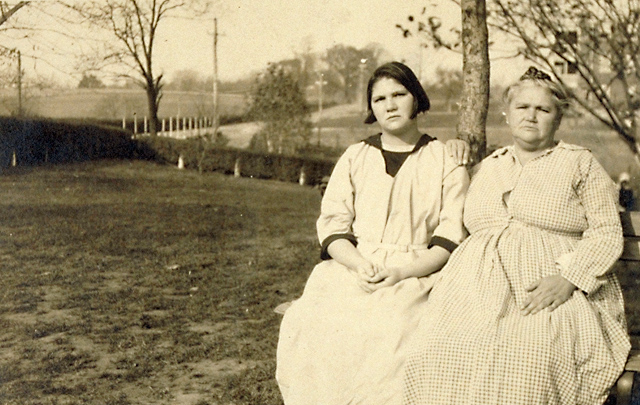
(135, 123)
(146, 128)
(236, 168)
(124, 122)
(170, 127)
(303, 176)
(163, 126)
(180, 162)
(14, 159)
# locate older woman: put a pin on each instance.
(527, 310)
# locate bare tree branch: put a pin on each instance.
(599, 38)
(7, 14)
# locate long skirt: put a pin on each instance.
(340, 345)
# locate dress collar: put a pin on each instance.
(559, 145)
(376, 142)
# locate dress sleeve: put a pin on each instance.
(337, 208)
(450, 231)
(602, 242)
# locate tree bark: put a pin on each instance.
(474, 102)
(153, 104)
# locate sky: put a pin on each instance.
(253, 33)
(256, 32)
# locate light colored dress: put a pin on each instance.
(557, 213)
(339, 344)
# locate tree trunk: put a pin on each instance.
(474, 102)
(153, 104)
(636, 133)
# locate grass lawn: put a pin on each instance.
(134, 283)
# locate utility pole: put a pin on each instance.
(216, 122)
(363, 91)
(321, 82)
(19, 84)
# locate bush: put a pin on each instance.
(248, 163)
(46, 141)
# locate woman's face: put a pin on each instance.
(533, 117)
(392, 105)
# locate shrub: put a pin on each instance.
(46, 141)
(250, 163)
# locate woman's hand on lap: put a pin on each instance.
(386, 278)
(367, 274)
(547, 293)
(366, 269)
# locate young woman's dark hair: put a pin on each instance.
(405, 76)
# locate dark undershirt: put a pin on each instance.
(393, 160)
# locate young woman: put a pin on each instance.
(390, 216)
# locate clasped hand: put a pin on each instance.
(547, 293)
(372, 277)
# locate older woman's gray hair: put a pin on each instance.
(559, 94)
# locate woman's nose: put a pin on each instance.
(391, 105)
(531, 114)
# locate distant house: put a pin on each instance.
(568, 71)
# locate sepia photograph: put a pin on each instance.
(319, 202)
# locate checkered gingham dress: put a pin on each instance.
(474, 345)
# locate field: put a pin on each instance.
(133, 283)
(117, 103)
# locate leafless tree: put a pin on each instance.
(448, 84)
(134, 25)
(594, 41)
(352, 66)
